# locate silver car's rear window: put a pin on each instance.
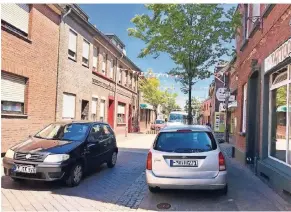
(185, 142)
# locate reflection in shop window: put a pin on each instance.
(121, 113)
(278, 131)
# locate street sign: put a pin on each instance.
(231, 98)
(220, 94)
(222, 107)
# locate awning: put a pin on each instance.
(282, 108)
(232, 105)
(146, 106)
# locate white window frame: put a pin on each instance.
(104, 108)
(95, 57)
(111, 68)
(85, 53)
(69, 117)
(72, 51)
(272, 87)
(104, 61)
(244, 114)
(11, 12)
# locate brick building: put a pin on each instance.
(30, 38)
(96, 80)
(205, 111)
(263, 112)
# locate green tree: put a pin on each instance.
(195, 105)
(151, 93)
(170, 103)
(193, 35)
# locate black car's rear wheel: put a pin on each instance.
(112, 161)
(75, 176)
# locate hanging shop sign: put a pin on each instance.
(278, 56)
(219, 122)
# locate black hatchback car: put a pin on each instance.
(62, 151)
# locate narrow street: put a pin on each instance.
(124, 188)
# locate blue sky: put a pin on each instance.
(115, 18)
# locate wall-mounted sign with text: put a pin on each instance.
(278, 56)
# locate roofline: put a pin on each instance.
(117, 38)
(95, 31)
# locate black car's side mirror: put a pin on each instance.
(221, 141)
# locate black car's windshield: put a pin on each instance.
(71, 132)
(159, 121)
(185, 142)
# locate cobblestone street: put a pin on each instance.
(124, 188)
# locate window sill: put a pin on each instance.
(267, 10)
(121, 124)
(85, 65)
(15, 33)
(7, 115)
(71, 58)
(243, 46)
(243, 134)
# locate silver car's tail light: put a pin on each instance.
(221, 160)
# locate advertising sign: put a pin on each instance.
(219, 122)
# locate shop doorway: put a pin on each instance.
(111, 113)
(253, 101)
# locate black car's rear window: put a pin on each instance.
(185, 142)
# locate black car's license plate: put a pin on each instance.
(184, 163)
(24, 169)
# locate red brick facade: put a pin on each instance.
(206, 107)
(273, 31)
(36, 59)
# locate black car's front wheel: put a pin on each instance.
(112, 161)
(75, 176)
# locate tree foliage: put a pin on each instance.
(193, 35)
(151, 93)
(170, 104)
(195, 105)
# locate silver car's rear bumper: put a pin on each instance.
(218, 182)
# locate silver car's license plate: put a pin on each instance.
(184, 163)
(25, 169)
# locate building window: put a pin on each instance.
(102, 110)
(69, 106)
(121, 113)
(72, 45)
(95, 58)
(280, 116)
(131, 81)
(244, 115)
(86, 49)
(245, 22)
(111, 68)
(119, 73)
(16, 17)
(94, 108)
(12, 93)
(104, 64)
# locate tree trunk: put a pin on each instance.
(190, 104)
(156, 114)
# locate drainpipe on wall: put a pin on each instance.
(115, 95)
(59, 59)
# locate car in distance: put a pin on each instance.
(62, 151)
(186, 157)
(158, 124)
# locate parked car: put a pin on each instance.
(186, 157)
(62, 151)
(158, 124)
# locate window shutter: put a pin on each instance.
(86, 47)
(95, 57)
(12, 88)
(69, 103)
(102, 108)
(16, 15)
(94, 105)
(72, 41)
(121, 109)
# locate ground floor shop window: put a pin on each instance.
(120, 113)
(280, 116)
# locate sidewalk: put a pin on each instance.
(135, 142)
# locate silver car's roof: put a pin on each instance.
(174, 128)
